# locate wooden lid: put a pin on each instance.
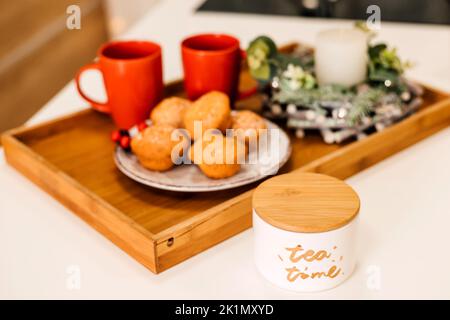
(305, 202)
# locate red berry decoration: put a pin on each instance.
(141, 126)
(115, 136)
(125, 142)
(124, 132)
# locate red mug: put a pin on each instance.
(212, 62)
(133, 78)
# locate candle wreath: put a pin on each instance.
(291, 91)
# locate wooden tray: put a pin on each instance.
(72, 159)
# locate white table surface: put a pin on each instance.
(405, 217)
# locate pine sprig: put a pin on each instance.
(364, 103)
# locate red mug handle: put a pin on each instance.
(249, 92)
(99, 106)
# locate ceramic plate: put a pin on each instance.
(189, 178)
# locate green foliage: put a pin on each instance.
(260, 52)
(294, 78)
(307, 97)
(265, 62)
(313, 98)
(282, 61)
(385, 66)
(363, 104)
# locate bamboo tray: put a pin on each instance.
(72, 159)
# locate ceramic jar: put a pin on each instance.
(304, 230)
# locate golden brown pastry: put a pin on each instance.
(218, 156)
(170, 111)
(248, 121)
(153, 147)
(212, 109)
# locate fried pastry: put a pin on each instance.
(170, 111)
(218, 156)
(249, 122)
(153, 147)
(212, 109)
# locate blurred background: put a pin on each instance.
(39, 55)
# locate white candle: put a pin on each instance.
(341, 57)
